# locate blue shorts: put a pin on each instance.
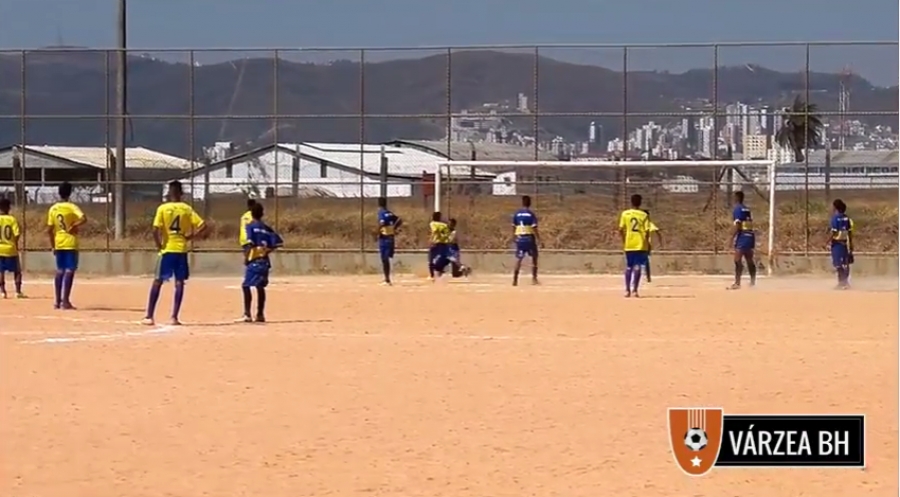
(526, 246)
(172, 265)
(386, 247)
(9, 264)
(439, 257)
(840, 255)
(636, 258)
(66, 260)
(453, 252)
(745, 242)
(256, 274)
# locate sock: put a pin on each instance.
(534, 269)
(260, 301)
(636, 278)
(846, 274)
(179, 296)
(628, 271)
(738, 272)
(647, 269)
(751, 268)
(430, 266)
(386, 269)
(18, 280)
(841, 275)
(155, 290)
(2, 282)
(68, 281)
(516, 272)
(248, 299)
(57, 286)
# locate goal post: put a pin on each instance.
(620, 176)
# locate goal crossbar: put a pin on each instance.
(768, 164)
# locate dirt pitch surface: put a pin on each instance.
(451, 389)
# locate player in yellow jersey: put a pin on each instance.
(63, 220)
(9, 249)
(653, 232)
(246, 218)
(175, 224)
(634, 226)
(439, 249)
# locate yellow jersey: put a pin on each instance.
(635, 223)
(652, 228)
(9, 236)
(440, 232)
(176, 220)
(63, 217)
(246, 219)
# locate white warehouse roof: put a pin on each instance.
(135, 157)
(402, 161)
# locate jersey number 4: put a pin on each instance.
(175, 226)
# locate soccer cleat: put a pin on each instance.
(627, 294)
(386, 283)
(635, 294)
(148, 322)
(56, 306)
(3, 295)
(244, 319)
(260, 318)
(535, 281)
(67, 306)
(734, 286)
(174, 322)
(19, 295)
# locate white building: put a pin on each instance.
(342, 170)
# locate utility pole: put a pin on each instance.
(121, 109)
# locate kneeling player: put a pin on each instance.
(261, 241)
(457, 269)
(438, 250)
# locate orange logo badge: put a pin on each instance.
(695, 435)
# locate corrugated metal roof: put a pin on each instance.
(135, 157)
(483, 150)
(402, 161)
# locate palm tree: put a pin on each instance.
(801, 129)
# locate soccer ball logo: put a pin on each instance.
(695, 439)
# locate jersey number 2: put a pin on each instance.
(175, 227)
(634, 225)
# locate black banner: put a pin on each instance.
(793, 441)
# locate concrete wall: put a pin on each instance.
(135, 263)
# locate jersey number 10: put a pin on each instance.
(7, 234)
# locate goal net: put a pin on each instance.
(578, 202)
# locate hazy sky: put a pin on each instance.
(373, 23)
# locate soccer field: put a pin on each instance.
(451, 389)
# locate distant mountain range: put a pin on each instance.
(71, 83)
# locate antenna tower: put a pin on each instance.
(844, 105)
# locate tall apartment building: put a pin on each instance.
(756, 146)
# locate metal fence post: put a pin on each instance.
(22, 198)
(121, 110)
(275, 87)
(806, 157)
(362, 150)
(536, 125)
(715, 186)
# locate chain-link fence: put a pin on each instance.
(318, 135)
